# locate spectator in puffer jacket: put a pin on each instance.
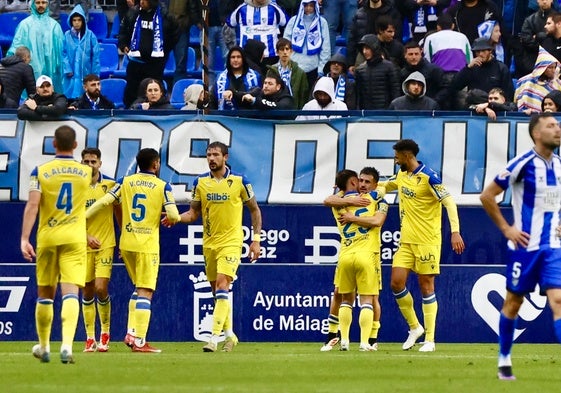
(5, 101)
(18, 74)
(377, 80)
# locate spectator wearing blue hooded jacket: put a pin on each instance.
(80, 53)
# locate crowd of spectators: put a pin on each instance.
(377, 54)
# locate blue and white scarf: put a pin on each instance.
(312, 37)
(156, 27)
(423, 15)
(250, 80)
(340, 88)
(93, 103)
(286, 74)
(485, 30)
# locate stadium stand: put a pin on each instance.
(64, 22)
(113, 34)
(169, 68)
(97, 23)
(121, 71)
(114, 89)
(109, 60)
(218, 60)
(9, 21)
(194, 36)
(192, 70)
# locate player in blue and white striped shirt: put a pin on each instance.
(533, 240)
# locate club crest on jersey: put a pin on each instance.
(203, 307)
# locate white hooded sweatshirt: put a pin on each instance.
(326, 85)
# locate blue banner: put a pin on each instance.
(299, 234)
(286, 161)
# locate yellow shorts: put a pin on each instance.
(223, 260)
(100, 263)
(378, 268)
(420, 258)
(336, 277)
(142, 268)
(357, 272)
(64, 263)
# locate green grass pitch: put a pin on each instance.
(281, 367)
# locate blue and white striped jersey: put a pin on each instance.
(259, 23)
(536, 196)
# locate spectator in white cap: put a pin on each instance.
(45, 104)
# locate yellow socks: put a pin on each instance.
(142, 316)
(43, 321)
(365, 322)
(69, 315)
(221, 311)
(345, 320)
(88, 313)
(405, 303)
(430, 309)
(104, 311)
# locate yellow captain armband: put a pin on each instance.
(256, 238)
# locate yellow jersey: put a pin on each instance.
(355, 238)
(63, 183)
(101, 225)
(420, 204)
(222, 203)
(142, 197)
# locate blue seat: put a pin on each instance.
(341, 50)
(169, 68)
(9, 22)
(194, 36)
(109, 60)
(114, 89)
(114, 33)
(218, 60)
(121, 71)
(191, 68)
(340, 40)
(64, 22)
(97, 23)
(178, 88)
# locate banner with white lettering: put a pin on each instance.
(286, 161)
(283, 303)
